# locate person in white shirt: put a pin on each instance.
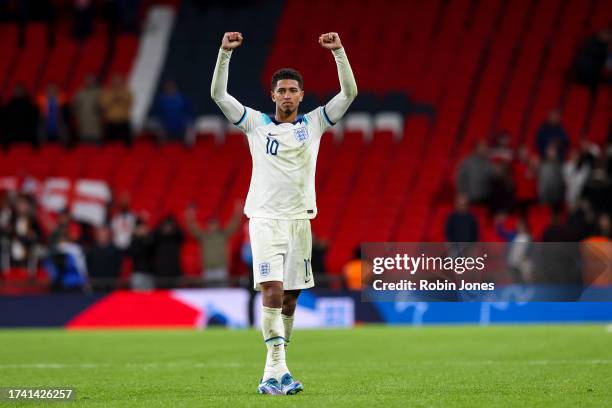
(123, 224)
(281, 199)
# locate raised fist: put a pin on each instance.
(331, 41)
(231, 40)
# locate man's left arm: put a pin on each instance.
(339, 104)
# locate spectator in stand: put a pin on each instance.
(214, 244)
(552, 132)
(551, 188)
(65, 226)
(502, 188)
(121, 15)
(524, 174)
(589, 152)
(357, 271)
(104, 260)
(595, 247)
(598, 190)
(25, 234)
(607, 155)
(86, 108)
(461, 225)
(608, 70)
(122, 224)
(519, 247)
(52, 105)
(590, 60)
(474, 176)
(116, 102)
(141, 252)
(67, 266)
(558, 262)
(83, 19)
(167, 241)
(6, 214)
(575, 174)
(128, 12)
(557, 230)
(19, 119)
(319, 251)
(174, 111)
(502, 152)
(581, 220)
(604, 229)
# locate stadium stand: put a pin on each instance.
(482, 66)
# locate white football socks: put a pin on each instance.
(273, 334)
(288, 323)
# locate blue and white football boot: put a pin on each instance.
(289, 386)
(270, 387)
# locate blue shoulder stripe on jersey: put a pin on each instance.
(266, 119)
(327, 119)
(275, 338)
(242, 117)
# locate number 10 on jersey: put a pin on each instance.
(272, 146)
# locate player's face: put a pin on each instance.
(287, 95)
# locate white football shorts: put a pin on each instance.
(281, 252)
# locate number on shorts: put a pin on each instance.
(307, 267)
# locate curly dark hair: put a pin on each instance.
(287, 73)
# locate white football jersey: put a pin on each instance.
(284, 161)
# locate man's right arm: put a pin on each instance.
(231, 108)
(246, 119)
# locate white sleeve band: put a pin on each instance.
(232, 109)
(340, 103)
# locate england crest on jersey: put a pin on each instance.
(264, 269)
(301, 134)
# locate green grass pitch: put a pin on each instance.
(373, 366)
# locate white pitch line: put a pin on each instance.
(126, 365)
(609, 328)
(164, 365)
(499, 362)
